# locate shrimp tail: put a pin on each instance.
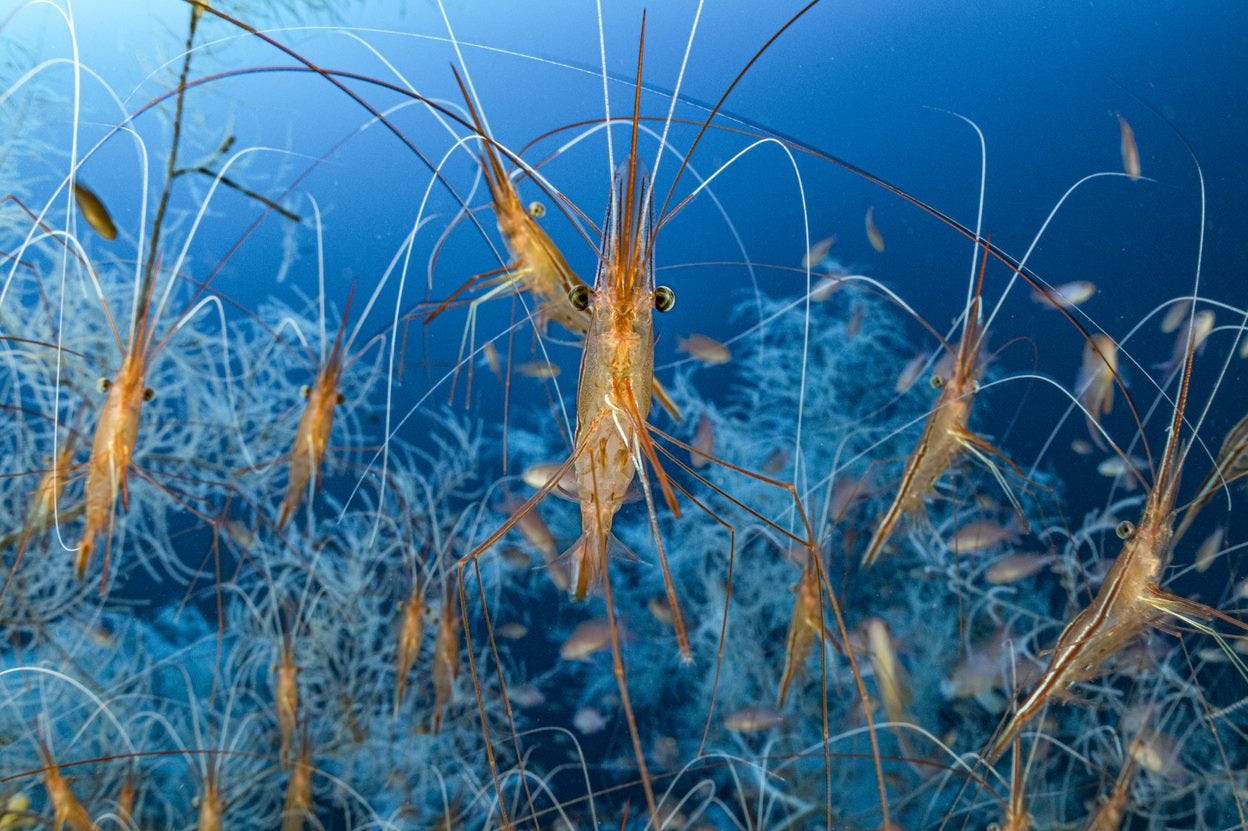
(586, 561)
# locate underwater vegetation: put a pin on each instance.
(669, 418)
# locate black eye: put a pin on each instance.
(149, 394)
(103, 384)
(341, 398)
(664, 299)
(1125, 530)
(537, 210)
(305, 391)
(937, 382)
(578, 296)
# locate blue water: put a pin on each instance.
(157, 668)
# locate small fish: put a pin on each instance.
(1156, 753)
(873, 233)
(910, 374)
(847, 491)
(775, 463)
(513, 631)
(1015, 567)
(515, 558)
(708, 351)
(854, 326)
(1130, 153)
(587, 638)
(1081, 447)
(818, 252)
(826, 287)
(1095, 383)
(1067, 295)
(1199, 326)
(588, 721)
(661, 610)
(94, 212)
(754, 720)
(491, 359)
(1208, 550)
(1178, 312)
(526, 695)
(541, 370)
(538, 476)
(703, 444)
(1116, 466)
(890, 676)
(977, 536)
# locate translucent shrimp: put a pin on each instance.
(537, 265)
(315, 426)
(946, 435)
(1130, 600)
(67, 809)
(445, 656)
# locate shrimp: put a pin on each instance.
(410, 641)
(445, 657)
(67, 810)
(297, 809)
(315, 425)
(112, 448)
(946, 435)
(286, 695)
(807, 623)
(1130, 600)
(537, 265)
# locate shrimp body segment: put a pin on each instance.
(112, 451)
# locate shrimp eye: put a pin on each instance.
(148, 394)
(341, 398)
(305, 391)
(664, 299)
(578, 296)
(937, 382)
(537, 210)
(103, 384)
(1125, 529)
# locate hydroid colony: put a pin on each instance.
(301, 445)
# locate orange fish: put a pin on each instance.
(94, 212)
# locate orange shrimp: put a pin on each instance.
(806, 625)
(286, 694)
(1113, 810)
(211, 806)
(315, 425)
(67, 810)
(297, 810)
(445, 657)
(945, 434)
(1129, 600)
(537, 265)
(112, 449)
(410, 641)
